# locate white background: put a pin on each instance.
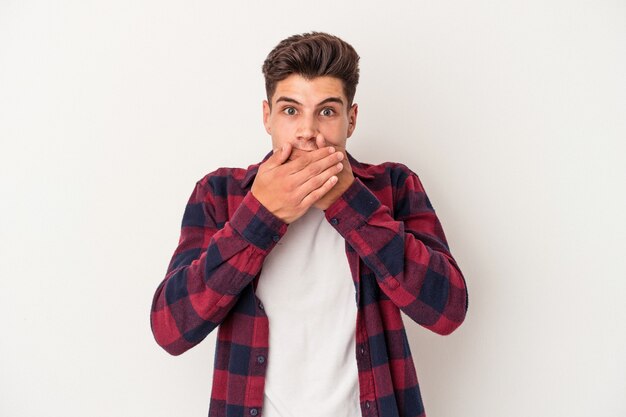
(512, 113)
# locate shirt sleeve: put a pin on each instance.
(407, 251)
(210, 267)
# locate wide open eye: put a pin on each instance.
(290, 111)
(327, 111)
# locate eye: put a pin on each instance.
(327, 112)
(289, 111)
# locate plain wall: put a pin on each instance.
(512, 113)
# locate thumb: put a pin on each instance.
(281, 154)
(320, 141)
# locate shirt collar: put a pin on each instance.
(358, 169)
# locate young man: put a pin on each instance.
(306, 259)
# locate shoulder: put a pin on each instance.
(224, 181)
(395, 174)
(220, 184)
(216, 180)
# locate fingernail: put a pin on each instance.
(331, 149)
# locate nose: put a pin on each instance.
(307, 130)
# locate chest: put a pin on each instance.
(308, 270)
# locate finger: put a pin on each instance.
(320, 192)
(299, 160)
(297, 153)
(320, 141)
(280, 155)
(317, 181)
(284, 153)
(309, 170)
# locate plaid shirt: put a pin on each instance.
(398, 257)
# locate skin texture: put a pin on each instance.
(309, 122)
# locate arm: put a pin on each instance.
(216, 259)
(210, 267)
(408, 254)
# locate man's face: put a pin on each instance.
(306, 113)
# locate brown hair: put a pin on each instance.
(311, 55)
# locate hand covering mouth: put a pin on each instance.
(297, 150)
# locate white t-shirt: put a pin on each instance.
(307, 291)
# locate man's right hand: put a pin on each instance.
(288, 188)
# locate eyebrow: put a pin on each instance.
(331, 100)
(288, 100)
(326, 100)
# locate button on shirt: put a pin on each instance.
(398, 257)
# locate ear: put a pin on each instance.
(352, 114)
(266, 117)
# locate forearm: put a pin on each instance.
(199, 291)
(409, 258)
